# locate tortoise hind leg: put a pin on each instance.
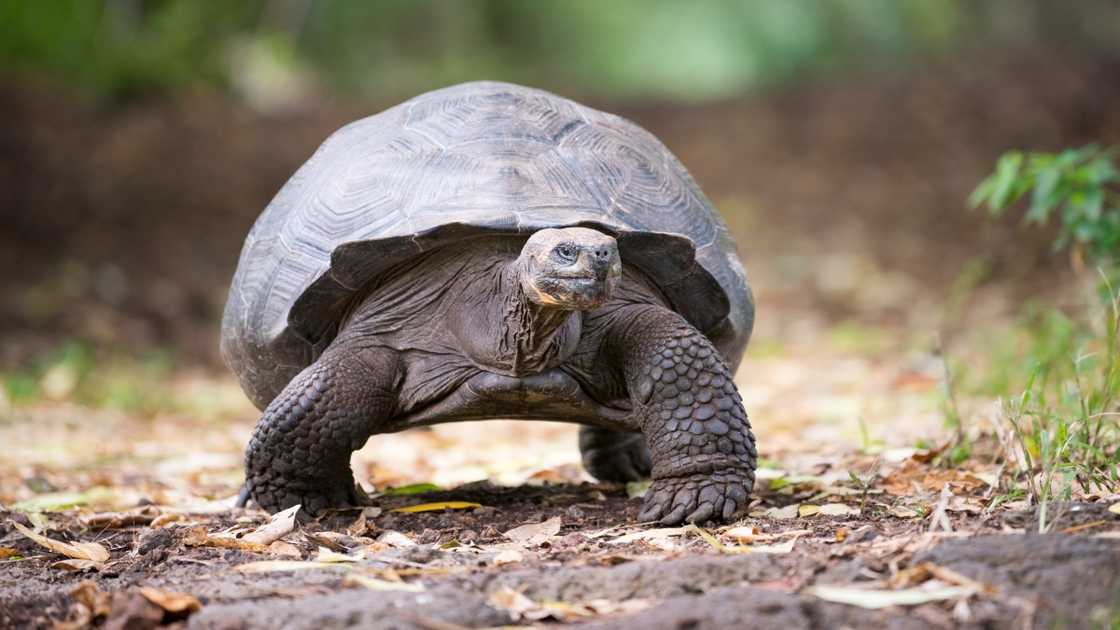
(300, 450)
(611, 455)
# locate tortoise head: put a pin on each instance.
(570, 268)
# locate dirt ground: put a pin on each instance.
(847, 201)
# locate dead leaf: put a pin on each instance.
(714, 542)
(170, 601)
(282, 548)
(508, 556)
(900, 511)
(968, 505)
(163, 520)
(336, 541)
(744, 534)
(989, 478)
(395, 539)
(142, 515)
(839, 509)
(439, 505)
(280, 525)
(1114, 508)
(749, 534)
(374, 584)
(658, 537)
(198, 537)
(521, 608)
(808, 509)
(931, 591)
(910, 576)
(90, 603)
(74, 565)
(79, 550)
(326, 555)
(789, 511)
(133, 610)
(9, 552)
(785, 547)
(517, 605)
(360, 526)
(534, 534)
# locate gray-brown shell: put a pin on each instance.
(465, 162)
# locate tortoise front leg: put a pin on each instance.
(300, 450)
(686, 404)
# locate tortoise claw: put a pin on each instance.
(693, 499)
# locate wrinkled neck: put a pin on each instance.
(532, 337)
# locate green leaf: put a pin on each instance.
(416, 488)
(1093, 203)
(982, 193)
(1005, 178)
(58, 501)
(637, 489)
(1043, 199)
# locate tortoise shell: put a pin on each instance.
(466, 162)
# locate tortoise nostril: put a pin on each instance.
(602, 253)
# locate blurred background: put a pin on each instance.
(839, 138)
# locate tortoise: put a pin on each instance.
(492, 251)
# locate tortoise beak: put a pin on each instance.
(589, 281)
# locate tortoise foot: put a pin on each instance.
(696, 498)
(615, 455)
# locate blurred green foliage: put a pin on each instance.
(389, 48)
(72, 372)
(1078, 187)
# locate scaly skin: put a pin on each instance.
(686, 404)
(300, 450)
(611, 455)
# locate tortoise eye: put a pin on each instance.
(565, 252)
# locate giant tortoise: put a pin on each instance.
(493, 251)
